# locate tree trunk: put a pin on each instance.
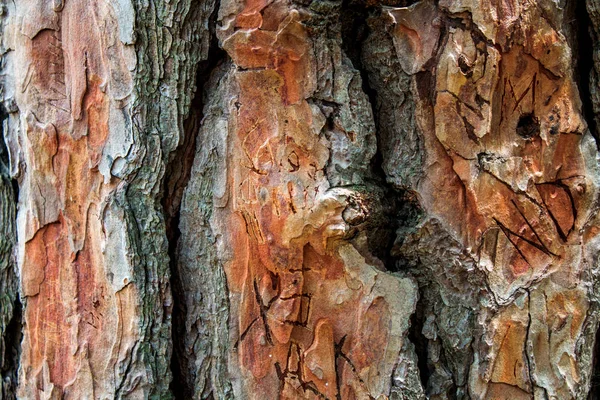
(300, 199)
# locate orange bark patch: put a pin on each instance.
(48, 313)
(96, 105)
(510, 365)
(319, 360)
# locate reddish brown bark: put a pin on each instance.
(299, 199)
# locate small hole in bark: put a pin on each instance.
(463, 64)
(528, 126)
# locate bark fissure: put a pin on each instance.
(415, 335)
(583, 43)
(396, 207)
(10, 304)
(177, 173)
(12, 336)
(594, 392)
(402, 211)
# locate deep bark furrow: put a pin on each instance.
(583, 40)
(178, 174)
(10, 305)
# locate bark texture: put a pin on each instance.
(97, 94)
(10, 306)
(262, 199)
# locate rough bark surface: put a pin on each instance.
(96, 94)
(262, 199)
(10, 306)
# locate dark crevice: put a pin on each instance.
(400, 211)
(12, 350)
(586, 40)
(420, 342)
(177, 176)
(4, 157)
(585, 45)
(391, 204)
(10, 304)
(354, 30)
(408, 216)
(594, 392)
(4, 162)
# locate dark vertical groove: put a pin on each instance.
(420, 342)
(594, 392)
(585, 41)
(382, 234)
(177, 176)
(401, 211)
(180, 385)
(10, 304)
(12, 350)
(586, 45)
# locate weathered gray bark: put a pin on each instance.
(10, 306)
(261, 199)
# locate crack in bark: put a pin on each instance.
(11, 312)
(594, 392)
(398, 205)
(584, 64)
(415, 335)
(177, 176)
(12, 350)
(400, 208)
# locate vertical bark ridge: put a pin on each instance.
(288, 137)
(582, 41)
(10, 305)
(97, 96)
(408, 61)
(178, 174)
(585, 21)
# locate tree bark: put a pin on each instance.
(285, 199)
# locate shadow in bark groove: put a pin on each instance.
(586, 40)
(10, 304)
(12, 350)
(177, 176)
(584, 67)
(401, 211)
(4, 160)
(595, 377)
(420, 342)
(395, 204)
